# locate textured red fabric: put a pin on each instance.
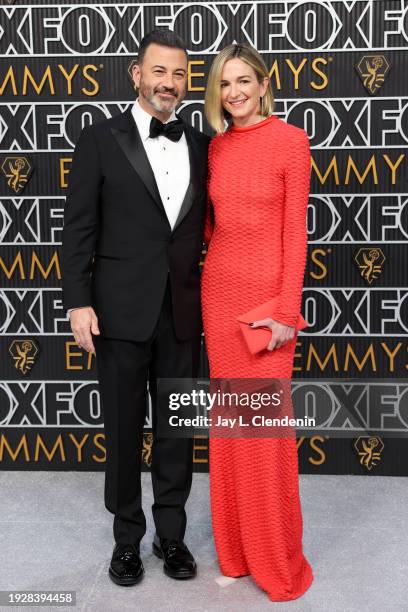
(259, 181)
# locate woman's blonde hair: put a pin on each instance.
(214, 111)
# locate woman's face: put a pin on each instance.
(241, 91)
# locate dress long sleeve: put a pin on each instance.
(294, 232)
(209, 216)
(209, 222)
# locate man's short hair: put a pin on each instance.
(165, 38)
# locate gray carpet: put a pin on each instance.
(56, 534)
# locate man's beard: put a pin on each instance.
(162, 106)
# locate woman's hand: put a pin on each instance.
(281, 333)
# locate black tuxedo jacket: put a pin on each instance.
(117, 244)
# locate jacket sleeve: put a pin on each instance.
(294, 231)
(81, 219)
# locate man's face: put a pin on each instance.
(162, 77)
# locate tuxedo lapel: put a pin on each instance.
(128, 137)
(192, 186)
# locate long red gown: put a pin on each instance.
(259, 180)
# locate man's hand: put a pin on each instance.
(83, 322)
(281, 333)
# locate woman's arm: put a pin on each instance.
(209, 221)
(209, 216)
(294, 234)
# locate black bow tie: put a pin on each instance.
(172, 130)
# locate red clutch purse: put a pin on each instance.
(258, 338)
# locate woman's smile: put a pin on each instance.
(238, 102)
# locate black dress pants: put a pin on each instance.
(124, 367)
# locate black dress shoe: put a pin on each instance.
(178, 560)
(126, 567)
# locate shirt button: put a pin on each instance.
(168, 198)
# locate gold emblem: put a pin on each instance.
(147, 448)
(23, 352)
(17, 170)
(370, 261)
(372, 70)
(369, 450)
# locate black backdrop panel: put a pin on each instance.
(338, 69)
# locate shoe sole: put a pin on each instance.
(157, 551)
(125, 581)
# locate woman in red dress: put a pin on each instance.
(259, 180)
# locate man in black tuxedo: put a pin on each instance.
(132, 242)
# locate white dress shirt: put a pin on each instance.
(170, 163)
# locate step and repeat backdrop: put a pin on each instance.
(339, 70)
